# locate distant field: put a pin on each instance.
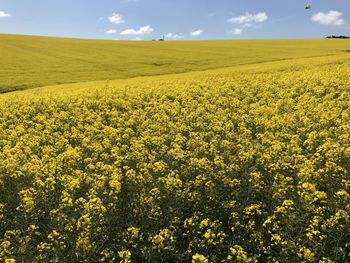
(28, 62)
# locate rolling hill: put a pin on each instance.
(31, 61)
(242, 157)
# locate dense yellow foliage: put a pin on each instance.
(247, 166)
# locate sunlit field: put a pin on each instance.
(243, 157)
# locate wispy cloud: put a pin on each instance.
(111, 31)
(236, 31)
(247, 25)
(332, 18)
(245, 21)
(248, 18)
(4, 14)
(116, 19)
(145, 30)
(197, 33)
(175, 36)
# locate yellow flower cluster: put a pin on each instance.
(249, 166)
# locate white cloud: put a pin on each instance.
(249, 18)
(145, 30)
(4, 14)
(236, 31)
(111, 31)
(137, 39)
(247, 25)
(172, 35)
(116, 19)
(332, 18)
(197, 33)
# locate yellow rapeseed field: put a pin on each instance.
(242, 164)
(31, 61)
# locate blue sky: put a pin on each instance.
(177, 19)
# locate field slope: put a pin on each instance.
(28, 61)
(248, 163)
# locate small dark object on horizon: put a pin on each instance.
(341, 37)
